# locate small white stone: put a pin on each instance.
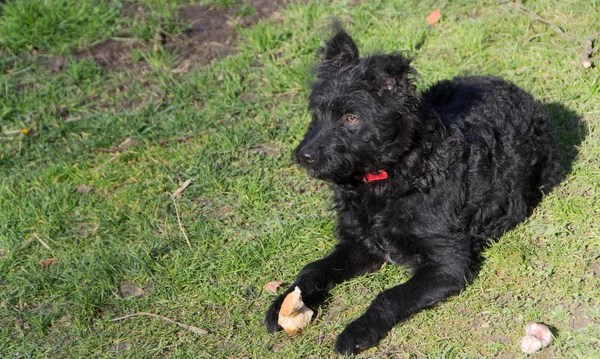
(530, 344)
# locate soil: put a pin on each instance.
(211, 35)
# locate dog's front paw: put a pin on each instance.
(356, 337)
(273, 315)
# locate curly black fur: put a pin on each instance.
(466, 161)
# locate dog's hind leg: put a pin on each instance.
(317, 278)
(427, 287)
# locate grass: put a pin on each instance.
(57, 25)
(250, 214)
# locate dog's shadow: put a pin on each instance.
(569, 131)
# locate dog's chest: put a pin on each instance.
(383, 226)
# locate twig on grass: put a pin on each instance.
(129, 142)
(35, 236)
(179, 221)
(107, 162)
(588, 50)
(158, 37)
(73, 119)
(106, 150)
(191, 328)
(181, 188)
(42, 242)
(26, 243)
(22, 131)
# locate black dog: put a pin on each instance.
(424, 180)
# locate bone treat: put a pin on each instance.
(294, 314)
(537, 336)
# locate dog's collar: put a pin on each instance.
(370, 177)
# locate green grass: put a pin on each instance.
(56, 25)
(250, 214)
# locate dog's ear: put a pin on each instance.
(338, 51)
(393, 74)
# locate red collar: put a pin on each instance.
(370, 177)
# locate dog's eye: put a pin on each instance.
(350, 118)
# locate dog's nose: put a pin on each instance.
(309, 157)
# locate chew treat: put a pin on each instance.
(530, 344)
(539, 331)
(294, 315)
(537, 336)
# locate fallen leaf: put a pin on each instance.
(203, 201)
(84, 230)
(45, 263)
(266, 149)
(129, 289)
(61, 110)
(273, 286)
(61, 323)
(119, 346)
(57, 63)
(434, 17)
(83, 189)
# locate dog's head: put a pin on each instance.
(364, 112)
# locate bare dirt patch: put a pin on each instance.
(211, 35)
(112, 54)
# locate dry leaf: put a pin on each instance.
(45, 263)
(266, 149)
(129, 289)
(272, 286)
(434, 17)
(83, 189)
(61, 323)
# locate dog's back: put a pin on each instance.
(511, 151)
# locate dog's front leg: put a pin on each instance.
(427, 287)
(317, 278)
